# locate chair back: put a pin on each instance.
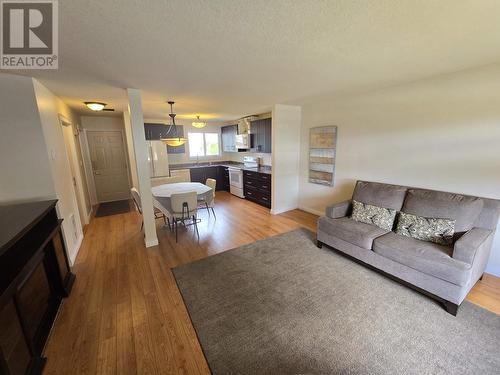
(211, 183)
(137, 199)
(184, 204)
(156, 181)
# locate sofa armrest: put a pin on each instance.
(471, 243)
(338, 210)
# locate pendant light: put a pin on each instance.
(175, 141)
(198, 123)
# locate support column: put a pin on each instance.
(285, 158)
(141, 157)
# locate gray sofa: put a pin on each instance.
(446, 273)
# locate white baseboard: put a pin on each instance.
(151, 243)
(493, 270)
(312, 211)
(281, 210)
(74, 252)
(89, 216)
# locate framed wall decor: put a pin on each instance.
(322, 155)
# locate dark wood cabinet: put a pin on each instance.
(222, 178)
(34, 277)
(262, 135)
(218, 173)
(198, 175)
(228, 135)
(257, 187)
(155, 132)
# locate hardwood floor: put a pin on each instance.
(125, 314)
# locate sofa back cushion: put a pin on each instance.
(379, 216)
(428, 203)
(381, 195)
(437, 230)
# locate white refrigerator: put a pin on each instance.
(158, 159)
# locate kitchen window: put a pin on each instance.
(203, 144)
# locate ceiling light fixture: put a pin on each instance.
(95, 106)
(198, 123)
(175, 141)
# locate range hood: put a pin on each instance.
(244, 124)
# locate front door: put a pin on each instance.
(109, 165)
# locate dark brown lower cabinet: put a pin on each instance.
(34, 278)
(257, 187)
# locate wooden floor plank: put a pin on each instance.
(126, 315)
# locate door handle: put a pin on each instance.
(97, 173)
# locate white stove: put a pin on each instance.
(236, 175)
(236, 181)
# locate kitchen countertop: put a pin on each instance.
(231, 164)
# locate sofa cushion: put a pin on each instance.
(463, 209)
(354, 232)
(427, 257)
(431, 229)
(381, 195)
(378, 216)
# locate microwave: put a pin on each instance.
(243, 141)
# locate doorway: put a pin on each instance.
(109, 165)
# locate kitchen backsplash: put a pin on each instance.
(238, 156)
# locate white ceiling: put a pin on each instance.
(227, 58)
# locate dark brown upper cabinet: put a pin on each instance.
(155, 132)
(228, 135)
(261, 130)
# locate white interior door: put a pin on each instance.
(109, 165)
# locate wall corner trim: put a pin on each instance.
(76, 249)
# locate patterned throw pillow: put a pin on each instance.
(435, 230)
(379, 216)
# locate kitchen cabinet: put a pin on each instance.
(261, 131)
(155, 132)
(198, 175)
(228, 135)
(257, 187)
(218, 173)
(222, 178)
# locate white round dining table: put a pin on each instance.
(162, 193)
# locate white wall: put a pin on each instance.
(130, 150)
(74, 151)
(238, 156)
(101, 123)
(441, 133)
(24, 163)
(286, 120)
(136, 117)
(60, 168)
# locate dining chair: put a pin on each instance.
(184, 207)
(156, 181)
(159, 210)
(136, 197)
(209, 200)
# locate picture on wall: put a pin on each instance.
(322, 154)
